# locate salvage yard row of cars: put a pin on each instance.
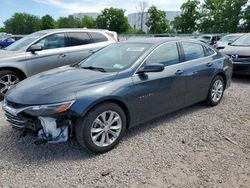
(101, 87)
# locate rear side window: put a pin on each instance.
(192, 51)
(98, 37)
(167, 54)
(78, 39)
(208, 51)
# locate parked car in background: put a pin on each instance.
(228, 39)
(239, 51)
(116, 88)
(48, 49)
(209, 39)
(6, 41)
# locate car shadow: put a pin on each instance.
(23, 150)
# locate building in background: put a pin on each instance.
(90, 14)
(134, 19)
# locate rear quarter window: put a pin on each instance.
(209, 51)
(98, 37)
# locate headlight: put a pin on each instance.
(43, 110)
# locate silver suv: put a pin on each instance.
(47, 49)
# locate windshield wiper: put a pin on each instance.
(94, 68)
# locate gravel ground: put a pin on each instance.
(194, 147)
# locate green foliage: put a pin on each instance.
(246, 16)
(220, 16)
(47, 22)
(2, 29)
(113, 19)
(22, 23)
(157, 21)
(68, 22)
(88, 22)
(187, 21)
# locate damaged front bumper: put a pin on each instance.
(51, 129)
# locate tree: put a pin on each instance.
(187, 21)
(88, 22)
(157, 21)
(22, 23)
(246, 19)
(220, 16)
(47, 22)
(142, 7)
(113, 19)
(68, 22)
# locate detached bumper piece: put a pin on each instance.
(48, 129)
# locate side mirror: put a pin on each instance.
(151, 68)
(35, 48)
(230, 43)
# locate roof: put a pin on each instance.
(158, 40)
(69, 29)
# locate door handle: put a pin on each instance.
(62, 56)
(91, 51)
(209, 64)
(179, 72)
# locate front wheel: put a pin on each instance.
(216, 91)
(8, 79)
(102, 128)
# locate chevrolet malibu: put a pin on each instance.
(118, 87)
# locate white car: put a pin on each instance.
(224, 41)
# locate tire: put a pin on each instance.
(4, 78)
(215, 94)
(87, 130)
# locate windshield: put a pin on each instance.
(115, 57)
(23, 43)
(242, 41)
(229, 38)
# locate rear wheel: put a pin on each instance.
(102, 128)
(8, 79)
(216, 91)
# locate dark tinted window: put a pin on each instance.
(208, 51)
(52, 41)
(77, 39)
(166, 54)
(192, 51)
(98, 37)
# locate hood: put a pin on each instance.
(8, 55)
(237, 50)
(57, 85)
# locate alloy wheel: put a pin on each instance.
(7, 81)
(217, 91)
(106, 128)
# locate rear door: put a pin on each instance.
(54, 54)
(199, 69)
(161, 92)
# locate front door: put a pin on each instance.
(53, 55)
(162, 92)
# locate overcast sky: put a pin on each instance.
(57, 8)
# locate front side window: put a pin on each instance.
(166, 54)
(52, 41)
(78, 39)
(192, 51)
(208, 51)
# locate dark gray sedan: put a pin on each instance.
(118, 87)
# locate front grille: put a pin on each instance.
(15, 120)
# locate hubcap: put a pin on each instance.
(6, 82)
(106, 128)
(217, 90)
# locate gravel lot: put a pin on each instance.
(194, 147)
